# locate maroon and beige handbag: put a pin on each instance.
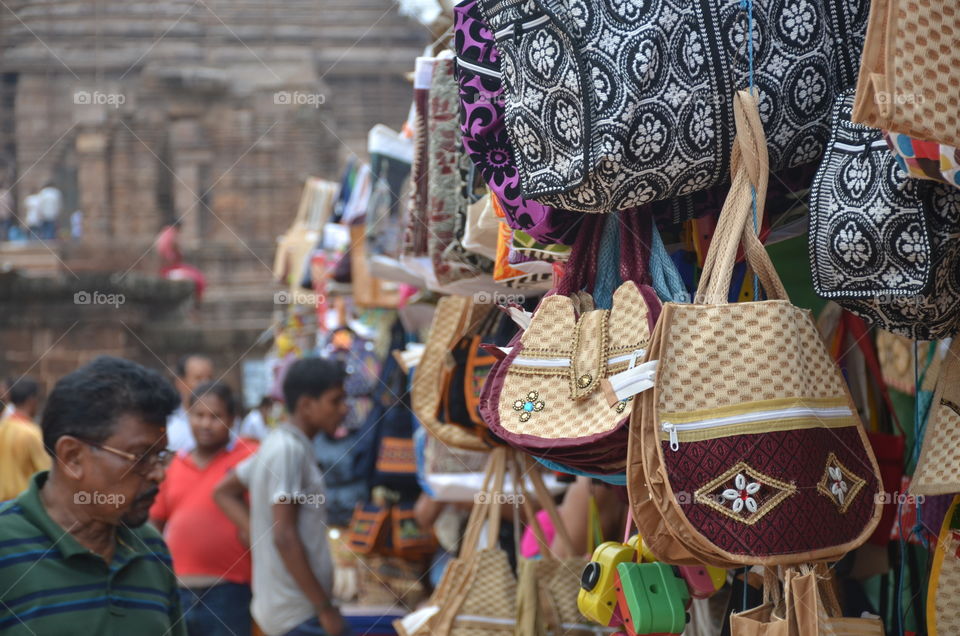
(748, 448)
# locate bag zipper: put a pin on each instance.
(673, 430)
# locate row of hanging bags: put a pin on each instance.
(748, 449)
(612, 105)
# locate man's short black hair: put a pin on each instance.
(311, 377)
(22, 390)
(87, 403)
(219, 389)
(183, 361)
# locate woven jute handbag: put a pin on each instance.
(748, 446)
(554, 582)
(938, 470)
(545, 397)
(943, 600)
(485, 601)
(806, 605)
(455, 316)
(910, 70)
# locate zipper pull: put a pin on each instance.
(674, 438)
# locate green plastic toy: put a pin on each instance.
(655, 597)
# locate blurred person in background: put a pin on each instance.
(21, 443)
(51, 203)
(32, 217)
(7, 219)
(256, 424)
(76, 553)
(286, 515)
(191, 371)
(210, 555)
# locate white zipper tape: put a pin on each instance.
(758, 416)
(558, 363)
(636, 379)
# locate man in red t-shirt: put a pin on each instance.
(210, 557)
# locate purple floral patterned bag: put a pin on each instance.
(485, 136)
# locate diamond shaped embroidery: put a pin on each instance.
(743, 493)
(839, 484)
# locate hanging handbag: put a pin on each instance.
(910, 70)
(938, 470)
(545, 396)
(485, 138)
(614, 105)
(748, 446)
(552, 581)
(943, 614)
(455, 316)
(807, 604)
(882, 244)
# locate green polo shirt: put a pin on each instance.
(50, 585)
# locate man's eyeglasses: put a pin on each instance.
(142, 464)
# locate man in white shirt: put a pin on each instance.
(254, 425)
(32, 217)
(286, 518)
(50, 203)
(192, 371)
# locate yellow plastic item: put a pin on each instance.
(597, 599)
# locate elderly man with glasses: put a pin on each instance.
(75, 554)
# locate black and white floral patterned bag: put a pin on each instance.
(882, 244)
(613, 104)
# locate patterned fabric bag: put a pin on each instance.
(748, 449)
(447, 206)
(943, 600)
(925, 159)
(881, 244)
(938, 470)
(612, 105)
(910, 76)
(485, 137)
(545, 396)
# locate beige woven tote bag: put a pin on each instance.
(455, 316)
(910, 70)
(938, 470)
(749, 444)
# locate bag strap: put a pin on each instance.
(609, 258)
(525, 467)
(580, 269)
(667, 281)
(636, 246)
(857, 328)
(750, 170)
(487, 509)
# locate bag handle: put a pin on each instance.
(858, 330)
(635, 245)
(488, 510)
(525, 467)
(750, 169)
(581, 268)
